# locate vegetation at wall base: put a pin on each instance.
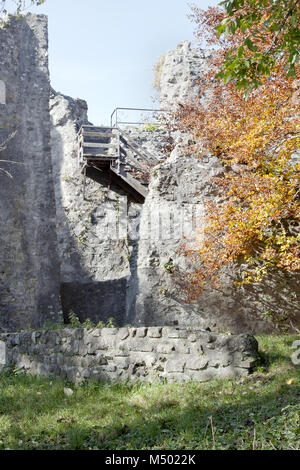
(261, 411)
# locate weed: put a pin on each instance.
(260, 411)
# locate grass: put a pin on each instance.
(261, 411)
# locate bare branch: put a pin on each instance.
(6, 172)
(4, 144)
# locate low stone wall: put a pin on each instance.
(119, 354)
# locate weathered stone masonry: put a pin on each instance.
(102, 257)
(29, 264)
(133, 354)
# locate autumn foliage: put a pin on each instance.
(256, 223)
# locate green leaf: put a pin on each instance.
(240, 51)
(250, 44)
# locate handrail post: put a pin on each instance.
(84, 180)
(78, 150)
(119, 152)
(111, 118)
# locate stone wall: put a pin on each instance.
(133, 354)
(97, 253)
(105, 255)
(29, 265)
(175, 208)
(180, 70)
(97, 236)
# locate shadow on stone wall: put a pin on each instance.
(268, 306)
(95, 300)
(80, 292)
(272, 305)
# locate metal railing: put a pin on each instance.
(125, 149)
(114, 118)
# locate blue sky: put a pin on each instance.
(104, 50)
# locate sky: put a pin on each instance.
(103, 51)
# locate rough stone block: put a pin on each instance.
(88, 337)
(122, 362)
(177, 333)
(109, 331)
(79, 333)
(193, 338)
(196, 362)
(83, 349)
(196, 348)
(109, 368)
(133, 332)
(85, 373)
(176, 377)
(13, 340)
(3, 354)
(96, 332)
(165, 348)
(99, 359)
(122, 350)
(71, 373)
(66, 348)
(75, 346)
(24, 362)
(144, 359)
(141, 332)
(247, 362)
(219, 359)
(180, 346)
(211, 338)
(108, 342)
(175, 365)
(154, 332)
(123, 334)
(93, 346)
(141, 345)
(35, 336)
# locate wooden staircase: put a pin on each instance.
(108, 148)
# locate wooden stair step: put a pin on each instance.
(95, 156)
(99, 145)
(97, 134)
(96, 129)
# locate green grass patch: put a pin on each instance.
(261, 411)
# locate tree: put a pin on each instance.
(258, 35)
(20, 6)
(255, 137)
